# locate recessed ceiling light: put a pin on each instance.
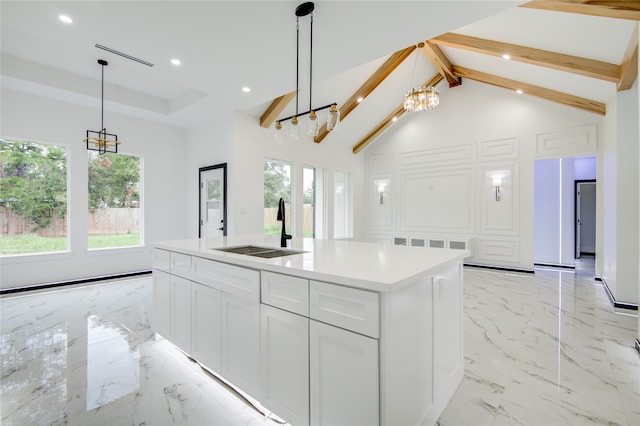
(175, 61)
(360, 99)
(65, 19)
(506, 56)
(519, 92)
(246, 89)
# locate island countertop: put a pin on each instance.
(371, 266)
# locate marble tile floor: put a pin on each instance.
(540, 349)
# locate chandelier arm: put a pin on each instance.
(304, 113)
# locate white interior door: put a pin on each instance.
(212, 201)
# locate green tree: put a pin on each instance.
(33, 180)
(113, 180)
(276, 183)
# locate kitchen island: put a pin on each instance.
(326, 332)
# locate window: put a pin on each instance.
(341, 206)
(33, 197)
(277, 184)
(313, 204)
(114, 200)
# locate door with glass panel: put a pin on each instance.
(213, 200)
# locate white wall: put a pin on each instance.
(439, 161)
(245, 146)
(626, 273)
(162, 150)
(207, 145)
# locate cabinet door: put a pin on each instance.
(447, 328)
(240, 343)
(162, 303)
(343, 371)
(205, 325)
(284, 362)
(181, 313)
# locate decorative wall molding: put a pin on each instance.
(499, 217)
(381, 162)
(436, 201)
(573, 142)
(381, 206)
(450, 155)
(499, 149)
(502, 251)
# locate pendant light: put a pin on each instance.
(100, 140)
(420, 98)
(313, 125)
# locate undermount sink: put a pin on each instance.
(265, 252)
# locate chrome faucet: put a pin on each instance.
(283, 235)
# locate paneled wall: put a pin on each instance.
(445, 197)
(431, 177)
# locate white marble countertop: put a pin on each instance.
(371, 266)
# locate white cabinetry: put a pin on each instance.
(205, 325)
(447, 329)
(162, 303)
(315, 352)
(344, 376)
(181, 313)
(240, 343)
(284, 357)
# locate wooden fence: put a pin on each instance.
(102, 221)
(271, 214)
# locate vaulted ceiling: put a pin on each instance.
(576, 52)
(621, 71)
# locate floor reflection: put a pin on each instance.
(113, 366)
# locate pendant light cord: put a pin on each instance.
(311, 62)
(297, 59)
(102, 106)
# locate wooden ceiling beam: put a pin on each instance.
(275, 108)
(441, 62)
(540, 92)
(389, 119)
(573, 64)
(369, 86)
(629, 66)
(621, 9)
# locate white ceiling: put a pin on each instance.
(225, 45)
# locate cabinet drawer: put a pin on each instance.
(180, 264)
(235, 280)
(161, 259)
(349, 308)
(285, 292)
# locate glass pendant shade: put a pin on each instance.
(314, 128)
(421, 99)
(295, 129)
(334, 118)
(277, 134)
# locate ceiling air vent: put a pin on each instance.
(124, 55)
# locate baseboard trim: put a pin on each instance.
(555, 265)
(499, 268)
(620, 305)
(73, 282)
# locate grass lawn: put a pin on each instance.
(275, 230)
(31, 243)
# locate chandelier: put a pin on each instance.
(333, 117)
(100, 140)
(420, 98)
